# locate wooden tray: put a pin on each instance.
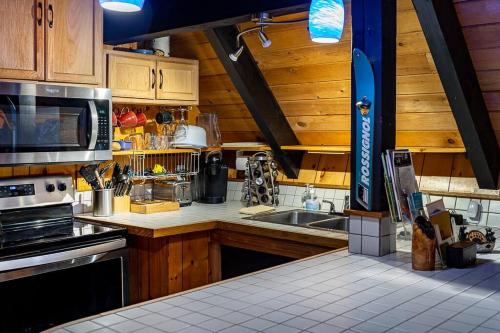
(152, 207)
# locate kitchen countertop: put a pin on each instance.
(333, 292)
(202, 217)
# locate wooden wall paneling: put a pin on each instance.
(36, 170)
(195, 267)
(462, 177)
(6, 172)
(175, 263)
(479, 12)
(418, 164)
(20, 171)
(332, 169)
(307, 174)
(347, 178)
(436, 172)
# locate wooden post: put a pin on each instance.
(374, 33)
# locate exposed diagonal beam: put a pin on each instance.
(167, 17)
(258, 97)
(449, 50)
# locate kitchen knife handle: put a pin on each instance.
(51, 16)
(39, 13)
(154, 78)
(161, 79)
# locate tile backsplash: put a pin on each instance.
(290, 196)
(83, 202)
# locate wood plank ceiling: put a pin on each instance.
(312, 81)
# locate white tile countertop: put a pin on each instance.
(333, 292)
(200, 213)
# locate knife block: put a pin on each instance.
(121, 205)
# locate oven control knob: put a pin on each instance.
(61, 187)
(50, 188)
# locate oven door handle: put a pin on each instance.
(94, 127)
(16, 268)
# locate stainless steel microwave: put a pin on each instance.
(46, 124)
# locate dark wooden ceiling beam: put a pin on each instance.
(449, 50)
(163, 18)
(258, 97)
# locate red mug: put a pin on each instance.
(127, 119)
(141, 119)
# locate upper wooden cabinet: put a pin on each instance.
(146, 79)
(52, 40)
(74, 41)
(177, 80)
(131, 77)
(22, 39)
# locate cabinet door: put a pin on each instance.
(178, 81)
(21, 39)
(74, 41)
(131, 77)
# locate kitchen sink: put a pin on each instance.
(303, 218)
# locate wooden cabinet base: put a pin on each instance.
(167, 265)
(164, 266)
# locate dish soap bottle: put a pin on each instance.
(310, 200)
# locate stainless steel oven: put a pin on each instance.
(54, 124)
(54, 267)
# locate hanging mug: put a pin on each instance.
(127, 118)
(141, 119)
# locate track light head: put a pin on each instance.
(264, 40)
(236, 54)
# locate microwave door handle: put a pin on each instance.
(94, 125)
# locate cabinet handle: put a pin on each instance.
(39, 14)
(154, 79)
(161, 79)
(51, 16)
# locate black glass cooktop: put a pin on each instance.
(28, 232)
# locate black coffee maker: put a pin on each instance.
(213, 179)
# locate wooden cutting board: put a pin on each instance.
(152, 207)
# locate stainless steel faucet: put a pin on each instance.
(332, 206)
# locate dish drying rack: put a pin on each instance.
(174, 165)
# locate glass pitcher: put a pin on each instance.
(210, 123)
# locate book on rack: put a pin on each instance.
(401, 185)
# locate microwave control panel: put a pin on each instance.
(104, 126)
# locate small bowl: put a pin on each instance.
(125, 145)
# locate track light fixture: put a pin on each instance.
(236, 54)
(264, 40)
(262, 21)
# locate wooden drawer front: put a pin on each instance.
(131, 77)
(21, 39)
(177, 81)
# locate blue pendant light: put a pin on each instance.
(122, 5)
(326, 20)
